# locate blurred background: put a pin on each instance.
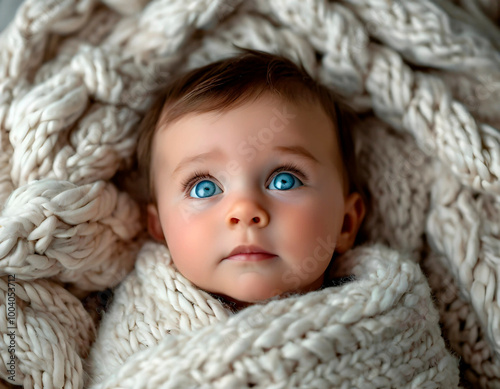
(7, 11)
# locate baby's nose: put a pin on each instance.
(248, 213)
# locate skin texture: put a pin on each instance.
(242, 204)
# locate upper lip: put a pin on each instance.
(252, 249)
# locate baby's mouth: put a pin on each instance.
(250, 257)
(248, 253)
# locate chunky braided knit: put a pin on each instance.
(377, 331)
(75, 79)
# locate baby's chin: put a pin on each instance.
(253, 287)
(246, 299)
(257, 288)
(241, 303)
(246, 296)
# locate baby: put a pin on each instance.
(251, 178)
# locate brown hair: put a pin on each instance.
(232, 81)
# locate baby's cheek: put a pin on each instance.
(311, 218)
(188, 241)
(316, 230)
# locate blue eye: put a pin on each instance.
(285, 181)
(200, 185)
(204, 189)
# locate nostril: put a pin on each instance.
(256, 219)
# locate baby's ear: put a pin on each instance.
(354, 213)
(154, 225)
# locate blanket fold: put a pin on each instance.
(378, 330)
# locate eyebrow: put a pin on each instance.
(294, 150)
(197, 158)
(298, 151)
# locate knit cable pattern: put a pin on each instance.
(76, 77)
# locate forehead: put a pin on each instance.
(262, 123)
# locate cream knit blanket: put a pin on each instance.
(76, 77)
(379, 330)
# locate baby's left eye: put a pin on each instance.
(285, 181)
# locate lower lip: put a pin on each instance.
(250, 257)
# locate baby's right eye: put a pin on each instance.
(204, 189)
(190, 185)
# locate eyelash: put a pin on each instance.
(197, 176)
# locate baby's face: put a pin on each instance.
(297, 216)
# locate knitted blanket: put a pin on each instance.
(76, 76)
(378, 330)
